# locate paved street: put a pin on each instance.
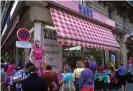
(129, 86)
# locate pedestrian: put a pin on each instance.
(86, 80)
(3, 78)
(122, 76)
(130, 64)
(80, 67)
(20, 76)
(92, 63)
(84, 60)
(10, 69)
(98, 79)
(50, 78)
(106, 78)
(33, 82)
(67, 81)
(12, 85)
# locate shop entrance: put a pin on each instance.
(73, 54)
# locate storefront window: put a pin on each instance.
(98, 55)
(71, 55)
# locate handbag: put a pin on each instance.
(53, 84)
(68, 86)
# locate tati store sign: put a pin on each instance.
(76, 7)
(52, 51)
(85, 10)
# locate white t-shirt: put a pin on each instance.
(77, 72)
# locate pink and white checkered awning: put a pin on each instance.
(74, 30)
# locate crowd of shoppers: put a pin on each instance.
(86, 77)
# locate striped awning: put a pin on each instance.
(74, 30)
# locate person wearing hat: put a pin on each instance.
(37, 54)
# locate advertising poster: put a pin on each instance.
(52, 51)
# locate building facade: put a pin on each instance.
(40, 18)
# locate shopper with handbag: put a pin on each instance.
(51, 79)
(67, 81)
(80, 67)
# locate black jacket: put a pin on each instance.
(34, 83)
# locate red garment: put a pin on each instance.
(49, 77)
(9, 72)
(130, 61)
(38, 53)
(89, 88)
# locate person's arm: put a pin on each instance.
(74, 74)
(64, 79)
(81, 80)
(31, 54)
(17, 77)
(56, 78)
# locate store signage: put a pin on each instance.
(23, 44)
(85, 10)
(52, 51)
(75, 7)
(23, 34)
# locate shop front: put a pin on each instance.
(68, 35)
(72, 37)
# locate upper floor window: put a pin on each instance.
(103, 3)
(120, 14)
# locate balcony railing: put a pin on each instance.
(123, 29)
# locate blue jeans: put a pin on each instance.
(77, 84)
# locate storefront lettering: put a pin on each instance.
(51, 59)
(54, 66)
(50, 45)
(85, 10)
(51, 52)
(48, 34)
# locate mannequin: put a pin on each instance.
(37, 57)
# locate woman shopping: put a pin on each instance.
(67, 81)
(80, 67)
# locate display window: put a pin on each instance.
(71, 54)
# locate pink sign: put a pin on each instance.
(96, 15)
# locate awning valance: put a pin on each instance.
(74, 30)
